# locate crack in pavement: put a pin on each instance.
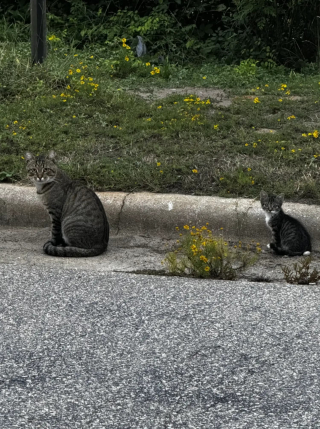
(120, 211)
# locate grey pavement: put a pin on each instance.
(81, 349)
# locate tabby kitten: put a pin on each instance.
(79, 222)
(289, 235)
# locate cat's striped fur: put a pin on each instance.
(290, 237)
(79, 222)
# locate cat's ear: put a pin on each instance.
(28, 156)
(52, 155)
(280, 197)
(263, 195)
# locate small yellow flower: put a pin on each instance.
(194, 171)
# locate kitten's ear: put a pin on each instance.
(52, 155)
(28, 156)
(263, 194)
(281, 197)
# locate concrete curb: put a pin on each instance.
(158, 214)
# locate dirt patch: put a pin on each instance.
(216, 96)
(265, 130)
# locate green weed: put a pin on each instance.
(201, 254)
(300, 273)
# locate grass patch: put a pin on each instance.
(86, 106)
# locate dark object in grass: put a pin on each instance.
(300, 273)
(79, 222)
(289, 235)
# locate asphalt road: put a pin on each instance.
(81, 349)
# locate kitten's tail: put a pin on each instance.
(69, 251)
(280, 251)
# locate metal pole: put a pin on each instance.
(38, 31)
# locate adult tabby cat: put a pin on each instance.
(79, 222)
(289, 235)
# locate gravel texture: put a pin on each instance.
(81, 349)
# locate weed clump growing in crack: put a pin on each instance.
(301, 273)
(201, 254)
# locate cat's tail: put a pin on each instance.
(280, 251)
(69, 251)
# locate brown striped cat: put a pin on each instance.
(79, 222)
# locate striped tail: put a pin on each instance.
(69, 251)
(280, 251)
